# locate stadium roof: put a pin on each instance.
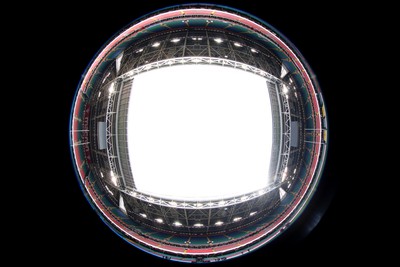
(198, 133)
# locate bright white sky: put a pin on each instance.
(199, 132)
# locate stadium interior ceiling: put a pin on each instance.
(198, 229)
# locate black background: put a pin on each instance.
(327, 34)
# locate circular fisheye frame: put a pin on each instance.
(198, 133)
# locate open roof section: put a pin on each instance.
(199, 132)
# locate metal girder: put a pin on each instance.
(199, 60)
(286, 132)
(201, 204)
(121, 133)
(110, 134)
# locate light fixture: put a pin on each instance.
(282, 193)
(236, 219)
(111, 88)
(177, 224)
(105, 78)
(143, 215)
(285, 89)
(175, 40)
(109, 191)
(218, 40)
(159, 220)
(219, 223)
(198, 225)
(113, 178)
(156, 44)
